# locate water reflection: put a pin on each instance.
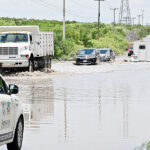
(38, 103)
(99, 105)
(65, 113)
(126, 113)
(107, 111)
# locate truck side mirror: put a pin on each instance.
(13, 89)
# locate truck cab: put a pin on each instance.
(25, 47)
(15, 49)
(11, 120)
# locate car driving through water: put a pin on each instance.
(11, 120)
(106, 54)
(87, 56)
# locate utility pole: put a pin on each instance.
(114, 11)
(142, 17)
(139, 20)
(99, 14)
(64, 18)
(133, 20)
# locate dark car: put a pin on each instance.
(106, 54)
(87, 56)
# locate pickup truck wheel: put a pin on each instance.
(18, 137)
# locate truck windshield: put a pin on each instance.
(13, 37)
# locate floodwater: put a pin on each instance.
(101, 111)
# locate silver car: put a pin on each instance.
(106, 54)
(87, 56)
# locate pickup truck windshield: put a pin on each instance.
(103, 51)
(13, 37)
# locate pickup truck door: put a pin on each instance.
(6, 113)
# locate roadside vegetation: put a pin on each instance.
(81, 35)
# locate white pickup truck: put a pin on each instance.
(11, 118)
(25, 47)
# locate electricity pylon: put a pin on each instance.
(125, 15)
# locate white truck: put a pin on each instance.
(11, 118)
(25, 47)
(141, 51)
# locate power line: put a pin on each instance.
(108, 5)
(49, 5)
(44, 5)
(75, 2)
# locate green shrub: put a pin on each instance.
(81, 35)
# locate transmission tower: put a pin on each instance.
(124, 15)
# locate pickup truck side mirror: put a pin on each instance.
(13, 89)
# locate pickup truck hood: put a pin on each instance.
(13, 44)
(86, 56)
(102, 55)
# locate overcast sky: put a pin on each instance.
(79, 10)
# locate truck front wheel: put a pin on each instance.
(18, 137)
(31, 65)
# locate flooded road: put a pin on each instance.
(98, 111)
